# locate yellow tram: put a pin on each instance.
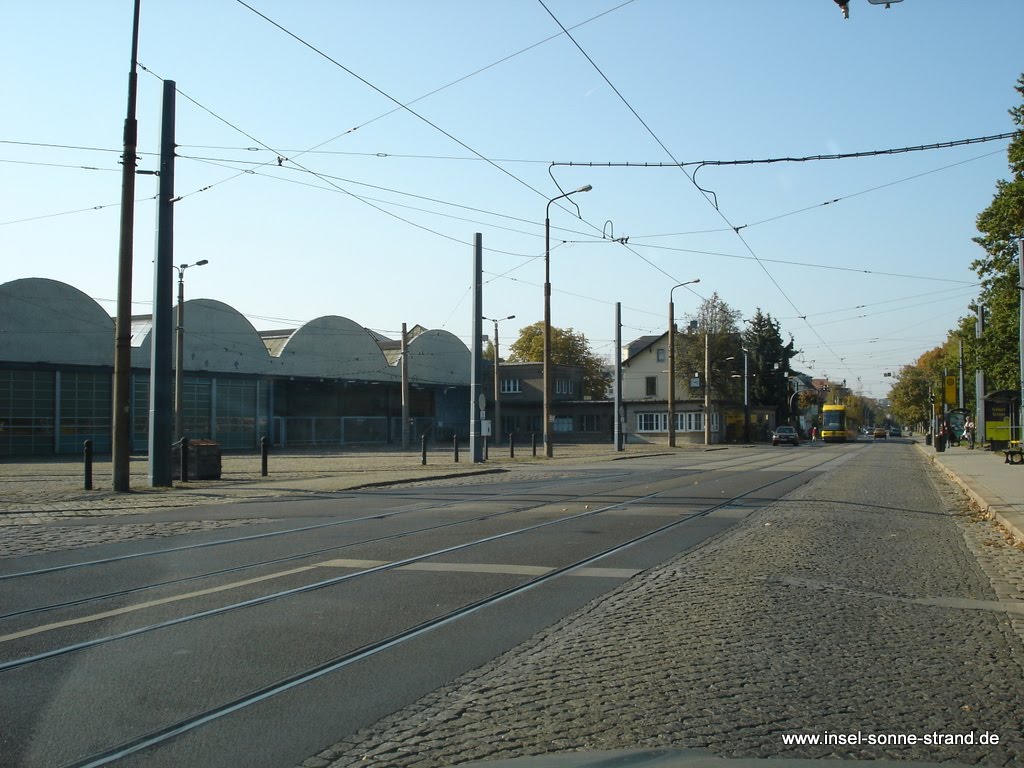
(833, 424)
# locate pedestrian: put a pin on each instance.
(969, 433)
(814, 434)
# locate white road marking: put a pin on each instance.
(148, 604)
(511, 569)
(516, 570)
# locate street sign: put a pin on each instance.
(950, 390)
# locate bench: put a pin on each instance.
(1014, 454)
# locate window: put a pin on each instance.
(564, 386)
(652, 386)
(562, 424)
(693, 421)
(509, 386)
(661, 355)
(589, 422)
(652, 422)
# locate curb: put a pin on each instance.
(425, 478)
(1009, 520)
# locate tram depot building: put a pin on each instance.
(330, 382)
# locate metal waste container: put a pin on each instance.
(204, 460)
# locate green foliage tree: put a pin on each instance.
(769, 361)
(720, 324)
(909, 396)
(567, 348)
(1000, 225)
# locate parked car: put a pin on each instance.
(785, 435)
(895, 432)
(880, 432)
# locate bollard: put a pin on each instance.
(183, 446)
(87, 446)
(455, 442)
(511, 445)
(264, 450)
(423, 449)
(535, 445)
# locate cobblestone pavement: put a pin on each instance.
(851, 605)
(37, 491)
(44, 508)
(35, 539)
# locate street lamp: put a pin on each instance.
(746, 396)
(179, 363)
(547, 318)
(672, 363)
(497, 381)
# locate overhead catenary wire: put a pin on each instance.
(690, 177)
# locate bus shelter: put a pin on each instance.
(1002, 410)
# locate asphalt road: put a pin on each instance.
(264, 642)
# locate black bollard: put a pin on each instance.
(183, 447)
(455, 442)
(534, 439)
(264, 450)
(511, 445)
(423, 449)
(87, 446)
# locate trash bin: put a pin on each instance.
(940, 443)
(927, 438)
(204, 460)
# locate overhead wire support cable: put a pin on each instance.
(391, 98)
(804, 159)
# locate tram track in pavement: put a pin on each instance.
(429, 506)
(16, 663)
(325, 583)
(173, 730)
(302, 529)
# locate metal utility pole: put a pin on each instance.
(979, 383)
(496, 427)
(121, 438)
(179, 358)
(548, 445)
(746, 399)
(960, 393)
(672, 364)
(707, 389)
(477, 400)
(405, 389)
(160, 368)
(618, 376)
(1020, 344)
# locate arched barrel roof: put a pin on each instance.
(43, 320)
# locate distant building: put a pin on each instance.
(329, 382)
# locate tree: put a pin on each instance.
(909, 396)
(567, 348)
(1000, 225)
(768, 362)
(719, 323)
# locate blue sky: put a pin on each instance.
(390, 241)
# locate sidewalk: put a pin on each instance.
(996, 487)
